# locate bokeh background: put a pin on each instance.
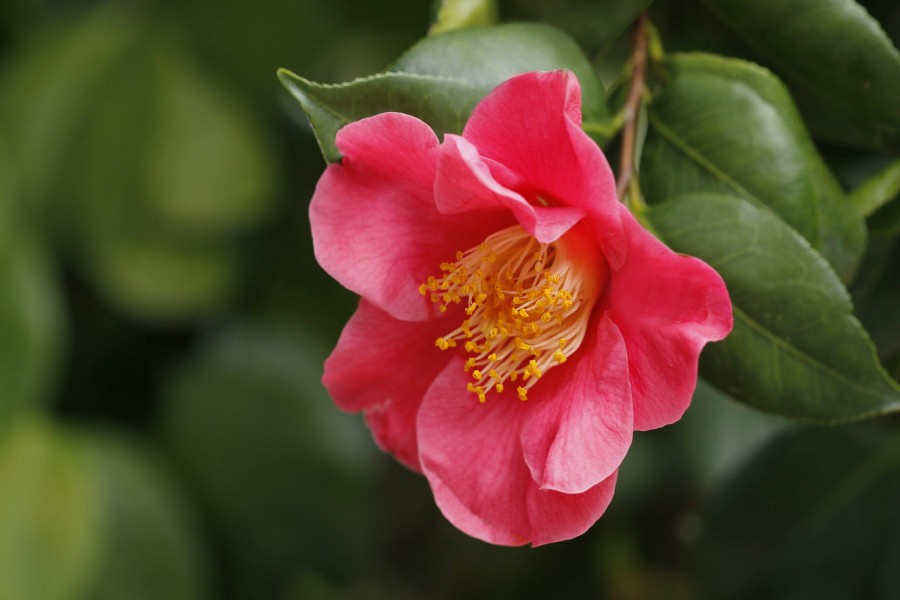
(163, 431)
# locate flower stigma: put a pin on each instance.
(527, 306)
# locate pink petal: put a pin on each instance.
(580, 424)
(667, 306)
(383, 367)
(556, 516)
(531, 124)
(473, 449)
(472, 456)
(466, 521)
(465, 183)
(374, 222)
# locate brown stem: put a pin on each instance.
(632, 106)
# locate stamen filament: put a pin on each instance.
(527, 307)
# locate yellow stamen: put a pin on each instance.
(527, 305)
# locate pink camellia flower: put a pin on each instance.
(516, 322)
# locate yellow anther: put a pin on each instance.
(513, 306)
(523, 393)
(465, 328)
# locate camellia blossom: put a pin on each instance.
(516, 323)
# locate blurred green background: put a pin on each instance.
(163, 431)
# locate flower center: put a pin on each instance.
(528, 306)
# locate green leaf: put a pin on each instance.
(726, 125)
(443, 77)
(280, 469)
(878, 191)
(153, 220)
(487, 56)
(814, 516)
(843, 69)
(796, 348)
(207, 169)
(460, 14)
(49, 524)
(32, 322)
(162, 279)
(49, 85)
(441, 102)
(152, 549)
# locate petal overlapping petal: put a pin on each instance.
(383, 367)
(556, 516)
(465, 183)
(375, 225)
(667, 306)
(474, 450)
(531, 124)
(579, 425)
(472, 455)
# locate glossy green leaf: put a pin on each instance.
(725, 125)
(32, 325)
(843, 69)
(152, 550)
(49, 524)
(460, 14)
(487, 56)
(443, 103)
(442, 78)
(796, 348)
(814, 516)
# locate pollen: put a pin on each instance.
(524, 307)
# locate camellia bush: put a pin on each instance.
(613, 287)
